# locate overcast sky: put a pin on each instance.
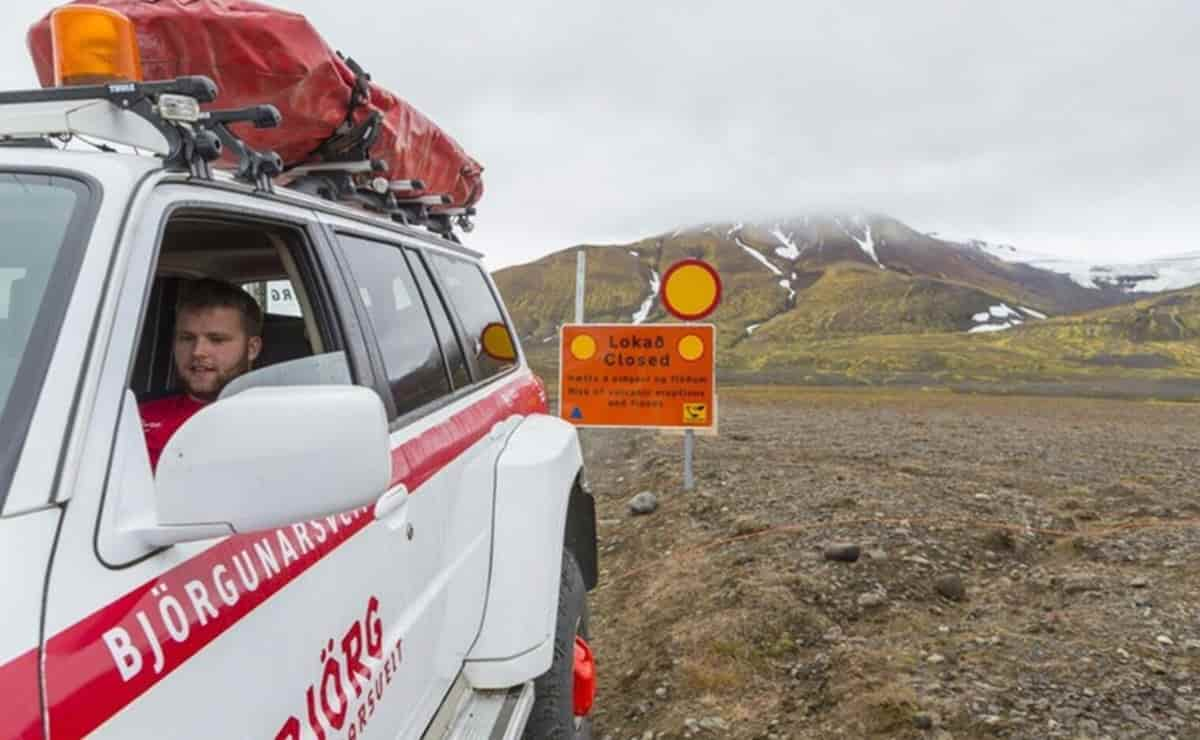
(1065, 127)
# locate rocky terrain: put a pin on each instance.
(902, 564)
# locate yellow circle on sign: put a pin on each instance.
(691, 290)
(583, 347)
(691, 348)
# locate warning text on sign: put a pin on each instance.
(649, 375)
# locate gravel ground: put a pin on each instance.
(902, 564)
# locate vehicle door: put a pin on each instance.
(288, 633)
(450, 421)
(47, 218)
(507, 394)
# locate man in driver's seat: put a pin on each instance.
(218, 335)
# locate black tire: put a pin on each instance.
(553, 714)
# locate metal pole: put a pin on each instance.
(580, 274)
(689, 451)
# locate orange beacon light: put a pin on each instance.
(93, 46)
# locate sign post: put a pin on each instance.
(691, 290)
(580, 277)
(658, 376)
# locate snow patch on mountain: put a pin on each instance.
(789, 250)
(757, 255)
(984, 328)
(1151, 276)
(644, 311)
(787, 285)
(750, 329)
(1001, 317)
(866, 243)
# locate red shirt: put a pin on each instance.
(161, 418)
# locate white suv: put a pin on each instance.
(377, 532)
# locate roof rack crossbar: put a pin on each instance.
(255, 167)
(426, 200)
(406, 186)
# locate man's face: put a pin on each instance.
(211, 349)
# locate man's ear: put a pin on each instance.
(254, 348)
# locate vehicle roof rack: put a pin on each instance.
(165, 118)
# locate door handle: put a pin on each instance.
(391, 508)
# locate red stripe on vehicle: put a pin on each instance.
(419, 459)
(104, 662)
(22, 714)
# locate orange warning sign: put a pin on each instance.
(638, 375)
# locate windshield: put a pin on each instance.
(42, 223)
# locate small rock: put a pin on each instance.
(1164, 640)
(877, 554)
(951, 586)
(922, 721)
(843, 553)
(935, 659)
(661, 692)
(1090, 727)
(714, 723)
(1081, 584)
(1183, 705)
(745, 525)
(872, 599)
(1139, 582)
(1157, 666)
(644, 503)
(648, 735)
(1193, 646)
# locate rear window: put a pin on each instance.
(470, 295)
(412, 356)
(44, 221)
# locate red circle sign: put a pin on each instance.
(691, 289)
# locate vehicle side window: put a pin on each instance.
(451, 347)
(471, 295)
(388, 291)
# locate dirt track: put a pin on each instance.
(1073, 527)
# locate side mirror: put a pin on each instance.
(268, 457)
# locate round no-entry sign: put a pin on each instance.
(691, 289)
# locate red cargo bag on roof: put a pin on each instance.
(262, 55)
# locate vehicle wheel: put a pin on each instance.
(553, 714)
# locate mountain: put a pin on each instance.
(838, 296)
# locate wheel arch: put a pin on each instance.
(579, 530)
(540, 508)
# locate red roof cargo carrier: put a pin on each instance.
(262, 55)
